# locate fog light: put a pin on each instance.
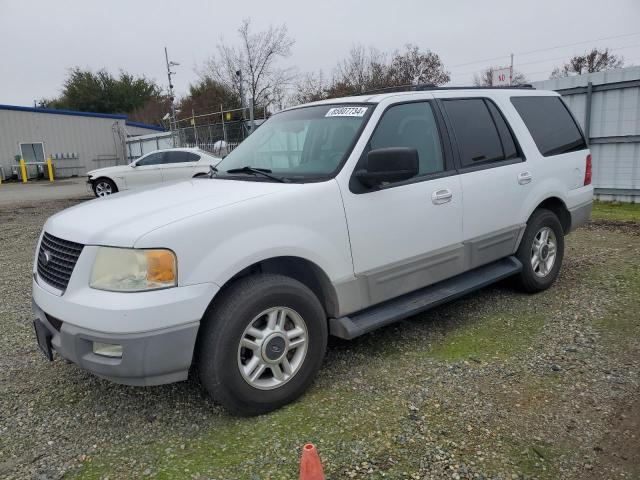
(107, 350)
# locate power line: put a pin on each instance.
(518, 65)
(546, 49)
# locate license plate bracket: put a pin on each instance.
(43, 336)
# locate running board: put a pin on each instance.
(420, 300)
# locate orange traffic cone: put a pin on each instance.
(310, 466)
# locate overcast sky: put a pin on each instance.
(41, 40)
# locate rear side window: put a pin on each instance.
(550, 124)
(177, 156)
(480, 130)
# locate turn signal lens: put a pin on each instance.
(161, 266)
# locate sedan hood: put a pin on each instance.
(120, 219)
(107, 171)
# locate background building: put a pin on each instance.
(607, 105)
(76, 141)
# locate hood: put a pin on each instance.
(107, 171)
(120, 219)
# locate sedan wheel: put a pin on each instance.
(104, 187)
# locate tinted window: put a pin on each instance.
(550, 124)
(411, 125)
(151, 159)
(180, 157)
(508, 144)
(475, 131)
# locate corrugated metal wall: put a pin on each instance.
(96, 141)
(612, 124)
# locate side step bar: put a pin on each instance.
(418, 301)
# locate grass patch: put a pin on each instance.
(621, 323)
(344, 423)
(622, 212)
(495, 337)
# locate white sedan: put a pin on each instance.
(155, 167)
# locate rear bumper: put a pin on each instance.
(580, 214)
(148, 358)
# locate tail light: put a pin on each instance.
(587, 171)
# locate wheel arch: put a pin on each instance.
(301, 269)
(105, 177)
(559, 208)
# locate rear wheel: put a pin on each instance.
(261, 344)
(103, 187)
(541, 251)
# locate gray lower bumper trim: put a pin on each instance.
(148, 358)
(580, 214)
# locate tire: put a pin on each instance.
(231, 322)
(539, 269)
(103, 187)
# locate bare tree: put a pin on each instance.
(363, 69)
(257, 57)
(310, 87)
(416, 67)
(593, 61)
(485, 78)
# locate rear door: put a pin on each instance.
(178, 165)
(494, 176)
(408, 234)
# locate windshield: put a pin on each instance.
(302, 143)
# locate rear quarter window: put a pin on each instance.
(551, 125)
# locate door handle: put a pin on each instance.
(524, 178)
(441, 196)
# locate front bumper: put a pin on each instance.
(157, 329)
(148, 358)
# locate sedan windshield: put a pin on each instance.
(299, 144)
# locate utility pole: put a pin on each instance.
(172, 120)
(511, 70)
(239, 75)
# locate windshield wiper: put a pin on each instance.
(259, 171)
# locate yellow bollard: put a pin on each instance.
(23, 170)
(50, 169)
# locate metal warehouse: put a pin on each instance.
(76, 141)
(607, 105)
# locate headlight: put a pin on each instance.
(133, 270)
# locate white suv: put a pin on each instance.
(336, 217)
(154, 167)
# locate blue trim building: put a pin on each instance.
(76, 141)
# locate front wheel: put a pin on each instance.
(541, 251)
(103, 187)
(261, 344)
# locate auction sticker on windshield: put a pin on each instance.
(346, 112)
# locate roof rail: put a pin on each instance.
(430, 86)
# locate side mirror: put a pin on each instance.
(387, 165)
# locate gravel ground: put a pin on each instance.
(496, 385)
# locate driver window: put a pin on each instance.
(411, 125)
(152, 159)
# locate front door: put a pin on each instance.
(146, 171)
(407, 235)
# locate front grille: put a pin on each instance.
(56, 260)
